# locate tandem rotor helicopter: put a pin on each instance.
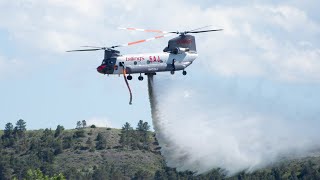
(178, 55)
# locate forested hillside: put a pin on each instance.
(105, 153)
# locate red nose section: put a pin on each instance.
(101, 68)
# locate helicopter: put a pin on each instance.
(178, 55)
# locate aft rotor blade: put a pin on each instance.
(95, 49)
(145, 30)
(142, 41)
(205, 31)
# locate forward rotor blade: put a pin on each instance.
(145, 30)
(200, 28)
(93, 47)
(205, 31)
(142, 41)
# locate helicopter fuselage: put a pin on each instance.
(147, 63)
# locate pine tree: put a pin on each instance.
(8, 135)
(20, 128)
(126, 135)
(102, 142)
(140, 126)
(99, 136)
(84, 123)
(79, 124)
(146, 126)
(142, 133)
(58, 131)
(8, 131)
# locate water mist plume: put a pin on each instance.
(200, 129)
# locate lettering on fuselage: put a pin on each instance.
(155, 59)
(153, 69)
(151, 59)
(134, 58)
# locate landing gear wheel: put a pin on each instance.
(184, 73)
(129, 77)
(140, 78)
(172, 72)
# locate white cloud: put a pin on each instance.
(258, 39)
(266, 43)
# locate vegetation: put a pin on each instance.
(89, 152)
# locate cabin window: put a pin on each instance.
(135, 63)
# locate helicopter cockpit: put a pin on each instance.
(107, 66)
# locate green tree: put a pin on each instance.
(67, 142)
(79, 125)
(47, 138)
(99, 136)
(142, 132)
(140, 126)
(90, 145)
(84, 123)
(102, 142)
(38, 175)
(146, 126)
(8, 137)
(159, 175)
(8, 130)
(58, 149)
(141, 175)
(126, 135)
(20, 128)
(5, 170)
(79, 133)
(101, 173)
(58, 131)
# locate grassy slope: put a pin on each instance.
(128, 160)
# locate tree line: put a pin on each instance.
(33, 155)
(25, 153)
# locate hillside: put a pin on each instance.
(105, 153)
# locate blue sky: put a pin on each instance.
(268, 49)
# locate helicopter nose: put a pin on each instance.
(101, 68)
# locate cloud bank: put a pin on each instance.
(277, 40)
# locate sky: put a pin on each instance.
(269, 48)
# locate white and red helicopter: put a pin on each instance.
(178, 55)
